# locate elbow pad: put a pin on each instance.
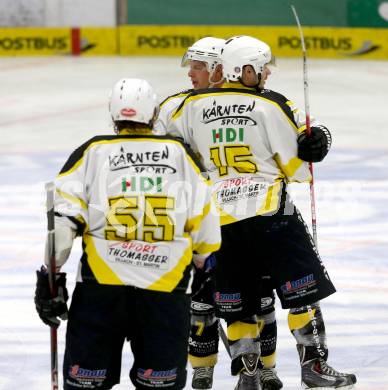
(64, 237)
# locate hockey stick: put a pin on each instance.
(51, 271)
(221, 330)
(308, 127)
(224, 338)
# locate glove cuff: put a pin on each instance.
(327, 134)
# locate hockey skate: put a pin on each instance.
(202, 378)
(269, 379)
(318, 375)
(249, 377)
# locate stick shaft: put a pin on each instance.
(308, 126)
(224, 338)
(51, 271)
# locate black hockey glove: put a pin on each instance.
(314, 147)
(47, 307)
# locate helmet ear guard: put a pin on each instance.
(133, 100)
(243, 50)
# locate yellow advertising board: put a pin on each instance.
(323, 42)
(31, 41)
(55, 41)
(99, 41)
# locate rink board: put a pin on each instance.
(158, 40)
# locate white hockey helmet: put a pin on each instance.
(133, 100)
(207, 50)
(244, 50)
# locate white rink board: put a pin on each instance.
(49, 106)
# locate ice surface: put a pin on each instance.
(49, 106)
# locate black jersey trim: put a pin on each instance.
(184, 282)
(186, 92)
(78, 154)
(80, 226)
(86, 272)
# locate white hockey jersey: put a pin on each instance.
(142, 207)
(247, 140)
(167, 109)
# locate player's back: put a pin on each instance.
(246, 135)
(134, 195)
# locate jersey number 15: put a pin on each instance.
(233, 156)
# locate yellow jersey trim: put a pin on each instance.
(193, 224)
(271, 202)
(291, 167)
(225, 218)
(171, 279)
(143, 131)
(203, 248)
(72, 199)
(237, 85)
(204, 179)
(101, 271)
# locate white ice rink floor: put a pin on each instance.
(49, 106)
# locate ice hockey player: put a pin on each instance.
(252, 147)
(205, 72)
(145, 213)
(203, 61)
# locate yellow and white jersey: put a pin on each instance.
(167, 109)
(142, 207)
(248, 142)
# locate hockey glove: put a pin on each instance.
(47, 307)
(314, 147)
